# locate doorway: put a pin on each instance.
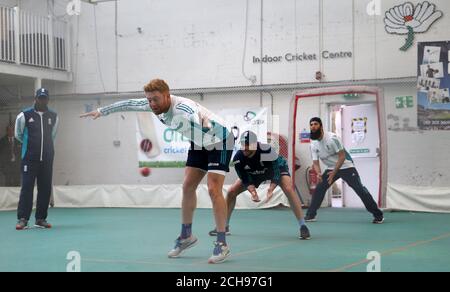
(357, 126)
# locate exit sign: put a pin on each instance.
(351, 95)
(404, 102)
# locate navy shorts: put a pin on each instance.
(209, 160)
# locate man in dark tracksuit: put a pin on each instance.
(36, 129)
(255, 164)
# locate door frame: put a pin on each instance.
(318, 92)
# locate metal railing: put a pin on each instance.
(59, 44)
(34, 39)
(7, 32)
(30, 39)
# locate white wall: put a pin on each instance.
(196, 47)
(43, 7)
(9, 3)
(415, 157)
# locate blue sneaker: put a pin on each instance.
(220, 253)
(181, 245)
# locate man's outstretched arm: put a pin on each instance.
(130, 105)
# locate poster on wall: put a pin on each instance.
(162, 147)
(433, 85)
(359, 130)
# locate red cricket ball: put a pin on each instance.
(145, 171)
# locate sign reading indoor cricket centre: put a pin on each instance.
(300, 57)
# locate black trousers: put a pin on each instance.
(32, 172)
(351, 177)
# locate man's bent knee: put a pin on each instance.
(189, 188)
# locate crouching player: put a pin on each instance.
(256, 163)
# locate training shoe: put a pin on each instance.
(378, 220)
(181, 245)
(304, 233)
(220, 253)
(42, 224)
(309, 218)
(214, 232)
(22, 224)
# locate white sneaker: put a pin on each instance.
(220, 254)
(181, 245)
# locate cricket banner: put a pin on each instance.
(159, 146)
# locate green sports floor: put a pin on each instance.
(261, 241)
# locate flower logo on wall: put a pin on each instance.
(408, 20)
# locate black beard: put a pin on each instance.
(41, 108)
(315, 135)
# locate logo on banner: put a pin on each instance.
(249, 116)
(161, 146)
(405, 19)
